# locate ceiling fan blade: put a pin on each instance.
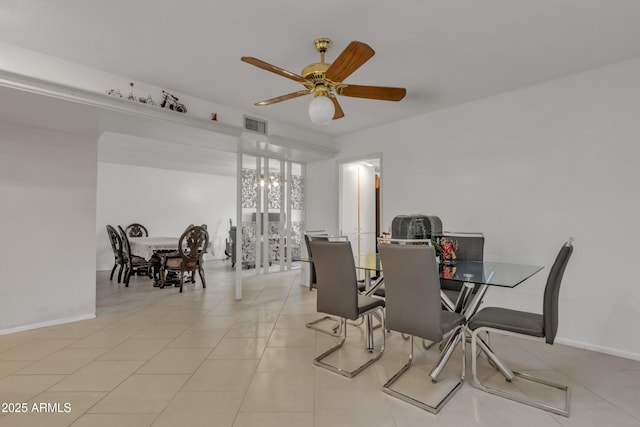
(356, 54)
(284, 97)
(373, 92)
(266, 66)
(338, 110)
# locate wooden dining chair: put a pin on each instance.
(136, 230)
(118, 254)
(139, 230)
(191, 277)
(192, 245)
(135, 263)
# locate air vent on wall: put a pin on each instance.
(255, 125)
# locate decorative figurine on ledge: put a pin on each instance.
(148, 100)
(174, 105)
(131, 96)
(114, 92)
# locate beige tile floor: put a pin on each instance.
(154, 357)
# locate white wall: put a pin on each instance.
(322, 196)
(529, 168)
(47, 218)
(164, 201)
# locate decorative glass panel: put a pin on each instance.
(249, 185)
(297, 192)
(275, 190)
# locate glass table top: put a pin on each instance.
(481, 272)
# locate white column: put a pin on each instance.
(238, 237)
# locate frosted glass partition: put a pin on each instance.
(272, 203)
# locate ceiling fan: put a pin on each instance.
(325, 81)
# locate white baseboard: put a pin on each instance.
(48, 323)
(599, 349)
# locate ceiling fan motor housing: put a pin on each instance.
(315, 72)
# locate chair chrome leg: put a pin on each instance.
(359, 322)
(427, 346)
(369, 335)
(493, 359)
(477, 341)
(447, 351)
(349, 374)
(433, 409)
(448, 304)
(336, 329)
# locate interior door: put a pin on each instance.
(358, 207)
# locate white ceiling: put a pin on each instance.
(445, 52)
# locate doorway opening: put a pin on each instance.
(359, 207)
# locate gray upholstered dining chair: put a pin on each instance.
(414, 307)
(337, 295)
(471, 248)
(535, 326)
(312, 269)
(313, 282)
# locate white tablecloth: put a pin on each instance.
(146, 246)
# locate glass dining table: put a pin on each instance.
(471, 274)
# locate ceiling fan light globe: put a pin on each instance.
(321, 110)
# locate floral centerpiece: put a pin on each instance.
(446, 248)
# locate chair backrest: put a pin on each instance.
(313, 278)
(470, 245)
(191, 225)
(193, 244)
(337, 281)
(324, 237)
(116, 242)
(470, 248)
(412, 290)
(136, 230)
(393, 241)
(552, 291)
(126, 247)
(415, 226)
